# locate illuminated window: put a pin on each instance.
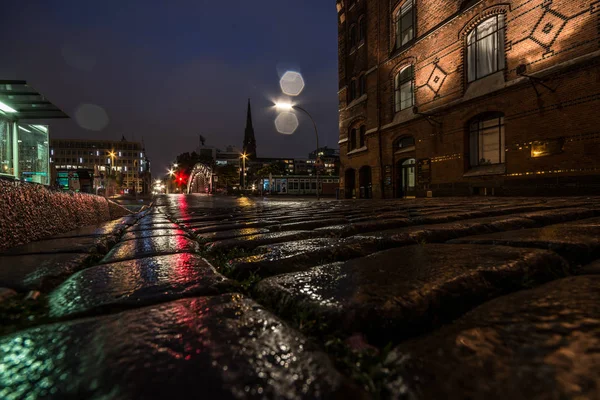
(486, 139)
(485, 48)
(405, 24)
(404, 89)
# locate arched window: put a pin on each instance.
(362, 28)
(352, 142)
(352, 93)
(405, 23)
(485, 48)
(404, 89)
(486, 139)
(404, 142)
(362, 85)
(362, 133)
(353, 36)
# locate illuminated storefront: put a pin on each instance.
(24, 144)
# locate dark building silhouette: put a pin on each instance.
(249, 139)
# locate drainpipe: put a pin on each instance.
(381, 170)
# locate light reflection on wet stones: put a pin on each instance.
(153, 233)
(136, 283)
(151, 246)
(226, 346)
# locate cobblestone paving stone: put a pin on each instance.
(579, 244)
(351, 280)
(535, 344)
(136, 283)
(153, 233)
(39, 271)
(401, 292)
(227, 346)
(151, 246)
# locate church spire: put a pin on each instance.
(249, 139)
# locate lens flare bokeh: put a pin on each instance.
(292, 83)
(91, 117)
(286, 123)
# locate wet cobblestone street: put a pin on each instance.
(241, 298)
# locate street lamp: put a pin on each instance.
(112, 165)
(244, 156)
(290, 107)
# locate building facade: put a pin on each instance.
(469, 97)
(126, 159)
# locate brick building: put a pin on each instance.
(487, 97)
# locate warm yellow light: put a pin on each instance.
(244, 155)
(284, 106)
(171, 172)
(112, 154)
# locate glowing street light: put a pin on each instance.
(244, 156)
(287, 107)
(284, 106)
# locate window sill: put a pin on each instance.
(397, 50)
(355, 151)
(485, 170)
(357, 101)
(485, 85)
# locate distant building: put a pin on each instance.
(123, 157)
(230, 156)
(330, 158)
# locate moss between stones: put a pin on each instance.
(18, 313)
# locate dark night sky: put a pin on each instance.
(170, 70)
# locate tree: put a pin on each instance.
(187, 161)
(276, 168)
(228, 174)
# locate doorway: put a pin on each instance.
(365, 183)
(405, 178)
(350, 183)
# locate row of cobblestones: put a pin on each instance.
(425, 298)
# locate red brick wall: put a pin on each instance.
(570, 111)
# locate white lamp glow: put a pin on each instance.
(6, 108)
(284, 106)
